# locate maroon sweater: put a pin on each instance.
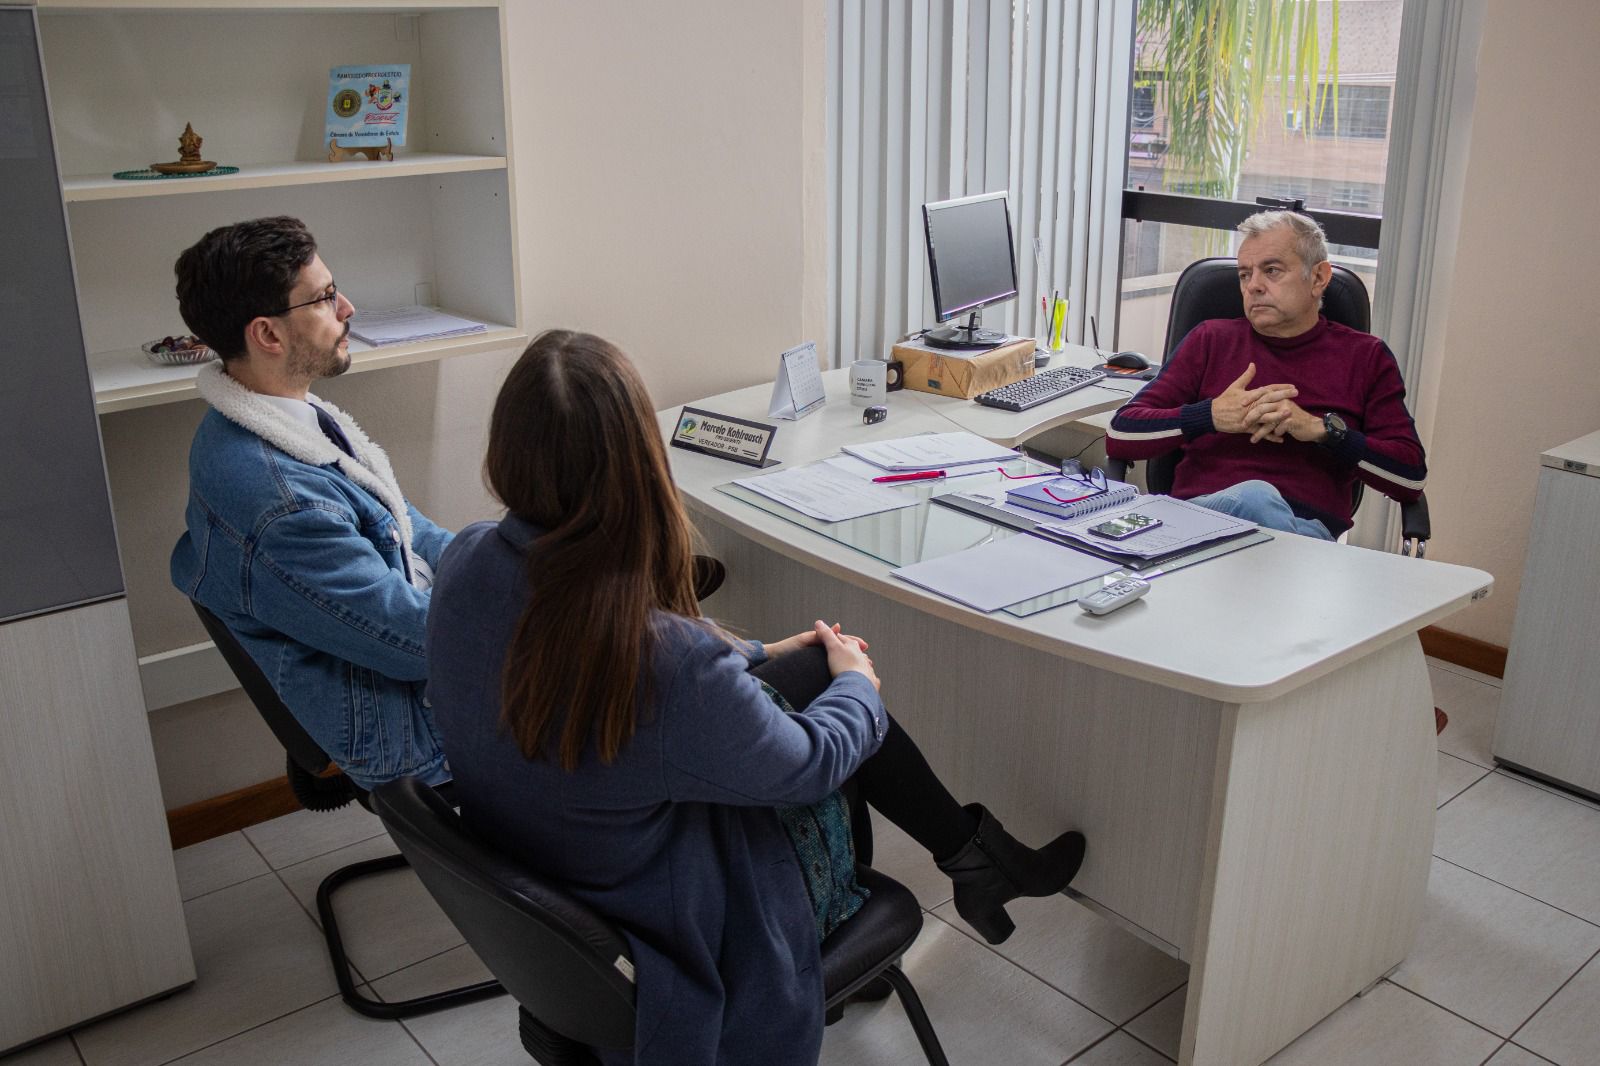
(1335, 368)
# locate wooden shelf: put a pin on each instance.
(79, 188)
(125, 379)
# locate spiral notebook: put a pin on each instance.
(1066, 498)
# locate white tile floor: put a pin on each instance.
(1506, 970)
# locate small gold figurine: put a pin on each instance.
(189, 161)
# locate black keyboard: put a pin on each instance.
(1041, 388)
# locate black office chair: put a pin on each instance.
(1209, 288)
(568, 968)
(318, 790)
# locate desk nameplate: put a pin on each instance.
(724, 436)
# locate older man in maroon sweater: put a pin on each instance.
(1278, 413)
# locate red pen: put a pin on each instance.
(920, 475)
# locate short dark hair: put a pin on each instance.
(237, 273)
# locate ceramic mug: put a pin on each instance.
(869, 382)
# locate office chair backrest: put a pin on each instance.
(304, 751)
(564, 964)
(1209, 288)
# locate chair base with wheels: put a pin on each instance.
(568, 968)
(317, 789)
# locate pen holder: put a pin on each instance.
(1058, 325)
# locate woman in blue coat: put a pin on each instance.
(603, 732)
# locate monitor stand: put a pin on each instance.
(971, 335)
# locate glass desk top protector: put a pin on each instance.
(1155, 569)
(910, 534)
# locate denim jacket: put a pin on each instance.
(308, 555)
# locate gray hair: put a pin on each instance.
(1310, 243)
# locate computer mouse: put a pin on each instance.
(1129, 361)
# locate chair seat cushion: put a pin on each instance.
(878, 934)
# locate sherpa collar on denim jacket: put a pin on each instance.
(370, 468)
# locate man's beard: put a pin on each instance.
(306, 362)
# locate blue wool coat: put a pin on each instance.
(676, 841)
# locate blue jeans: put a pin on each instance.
(1261, 503)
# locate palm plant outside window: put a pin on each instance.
(1287, 99)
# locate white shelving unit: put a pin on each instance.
(436, 226)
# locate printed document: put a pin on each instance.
(1003, 572)
(930, 451)
(820, 491)
(849, 464)
(405, 324)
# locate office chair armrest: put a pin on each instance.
(1415, 527)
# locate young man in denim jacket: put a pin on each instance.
(299, 538)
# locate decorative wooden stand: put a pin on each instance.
(336, 154)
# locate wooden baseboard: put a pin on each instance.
(1463, 650)
(223, 814)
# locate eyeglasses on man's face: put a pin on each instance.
(329, 297)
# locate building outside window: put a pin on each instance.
(1288, 148)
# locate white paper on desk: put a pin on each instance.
(930, 451)
(1003, 572)
(1183, 525)
(860, 468)
(819, 491)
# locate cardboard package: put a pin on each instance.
(964, 373)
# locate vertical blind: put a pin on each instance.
(934, 99)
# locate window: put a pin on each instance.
(1350, 197)
(1142, 106)
(1191, 179)
(1363, 112)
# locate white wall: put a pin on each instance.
(669, 196)
(1518, 373)
(670, 181)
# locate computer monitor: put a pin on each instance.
(971, 263)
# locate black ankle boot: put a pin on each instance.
(994, 868)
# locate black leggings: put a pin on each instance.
(896, 780)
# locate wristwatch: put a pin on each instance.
(1337, 430)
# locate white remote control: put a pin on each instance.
(1111, 597)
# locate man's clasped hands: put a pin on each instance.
(1267, 412)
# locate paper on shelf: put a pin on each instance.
(1003, 572)
(823, 492)
(930, 451)
(402, 325)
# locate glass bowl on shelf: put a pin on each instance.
(177, 351)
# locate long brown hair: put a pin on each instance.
(574, 450)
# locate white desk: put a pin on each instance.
(1249, 749)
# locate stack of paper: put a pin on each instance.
(820, 491)
(403, 325)
(930, 451)
(1183, 525)
(1002, 572)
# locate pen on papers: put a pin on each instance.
(920, 475)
